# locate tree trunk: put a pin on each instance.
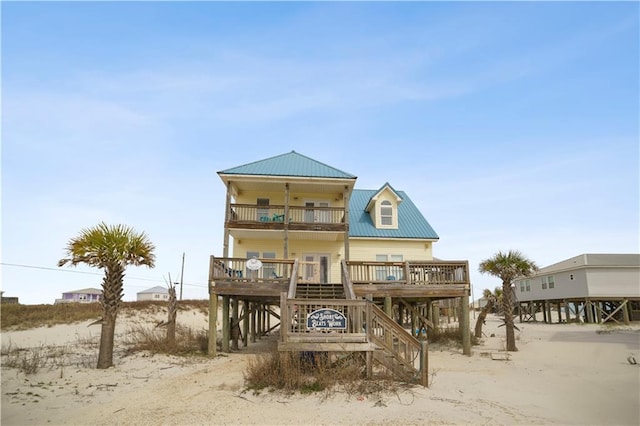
(107, 333)
(111, 298)
(171, 323)
(508, 316)
(482, 317)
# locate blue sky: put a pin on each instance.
(510, 125)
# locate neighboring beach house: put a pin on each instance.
(85, 295)
(157, 293)
(297, 234)
(588, 287)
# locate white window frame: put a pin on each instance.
(386, 206)
(389, 273)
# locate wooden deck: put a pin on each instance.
(275, 290)
(411, 280)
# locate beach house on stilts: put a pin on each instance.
(330, 267)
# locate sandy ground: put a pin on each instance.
(567, 374)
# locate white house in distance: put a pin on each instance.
(85, 295)
(592, 287)
(154, 293)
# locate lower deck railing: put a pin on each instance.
(352, 325)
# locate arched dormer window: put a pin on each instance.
(386, 213)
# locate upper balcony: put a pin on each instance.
(298, 218)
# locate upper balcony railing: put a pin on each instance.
(299, 218)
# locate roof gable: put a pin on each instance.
(383, 188)
(289, 164)
(411, 223)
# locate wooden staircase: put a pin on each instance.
(307, 290)
(398, 351)
(368, 329)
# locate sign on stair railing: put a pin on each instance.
(326, 319)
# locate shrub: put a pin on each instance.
(188, 341)
(310, 372)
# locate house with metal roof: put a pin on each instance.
(301, 242)
(157, 293)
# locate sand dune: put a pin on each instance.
(562, 374)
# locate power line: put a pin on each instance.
(46, 268)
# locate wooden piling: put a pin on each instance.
(213, 324)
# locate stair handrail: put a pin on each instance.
(346, 281)
(293, 282)
(392, 333)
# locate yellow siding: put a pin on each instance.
(410, 250)
(297, 249)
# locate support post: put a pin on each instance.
(424, 363)
(245, 324)
(235, 327)
(213, 324)
(589, 308)
(559, 313)
(429, 313)
(625, 311)
(388, 307)
(260, 325)
(285, 221)
(414, 323)
(284, 317)
(369, 362)
(226, 326)
(253, 322)
(464, 325)
(567, 312)
(227, 211)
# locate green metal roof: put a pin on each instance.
(289, 164)
(411, 223)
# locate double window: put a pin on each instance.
(389, 273)
(548, 282)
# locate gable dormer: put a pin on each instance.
(383, 207)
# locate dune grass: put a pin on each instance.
(24, 317)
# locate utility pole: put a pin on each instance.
(181, 276)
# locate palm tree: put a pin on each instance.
(111, 248)
(508, 266)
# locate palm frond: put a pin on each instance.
(103, 244)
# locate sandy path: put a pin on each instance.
(563, 374)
